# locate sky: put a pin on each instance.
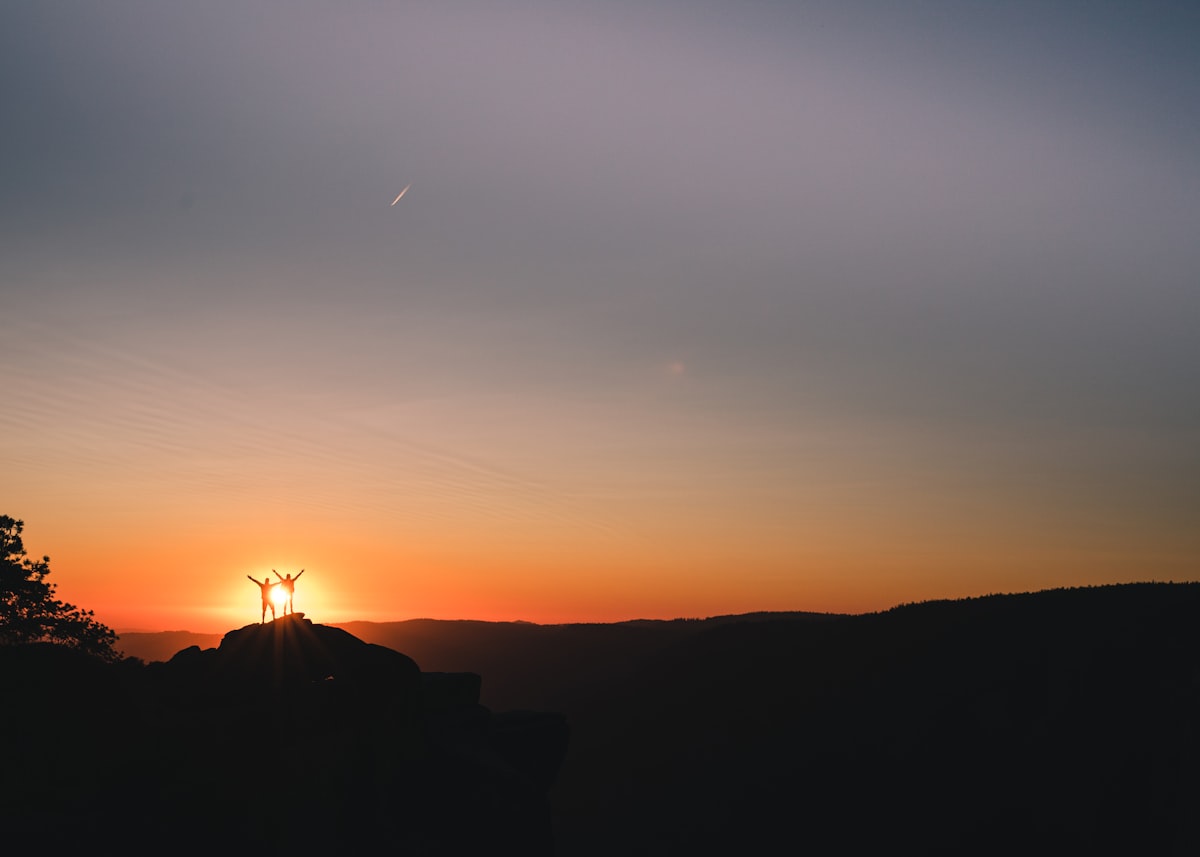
(692, 308)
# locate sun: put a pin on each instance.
(278, 595)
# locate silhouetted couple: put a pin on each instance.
(268, 587)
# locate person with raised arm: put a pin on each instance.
(266, 586)
(289, 586)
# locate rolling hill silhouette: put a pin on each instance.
(1061, 720)
(1058, 722)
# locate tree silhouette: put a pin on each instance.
(29, 612)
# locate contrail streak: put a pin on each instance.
(397, 199)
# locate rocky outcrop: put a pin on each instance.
(284, 659)
(289, 736)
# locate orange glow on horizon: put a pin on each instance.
(153, 569)
(216, 600)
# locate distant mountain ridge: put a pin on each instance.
(162, 645)
(540, 665)
(1061, 721)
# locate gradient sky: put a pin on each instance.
(693, 307)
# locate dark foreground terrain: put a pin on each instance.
(1065, 721)
(289, 737)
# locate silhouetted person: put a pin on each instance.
(289, 586)
(266, 586)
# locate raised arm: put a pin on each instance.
(297, 577)
(251, 578)
(277, 574)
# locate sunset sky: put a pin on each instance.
(692, 307)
